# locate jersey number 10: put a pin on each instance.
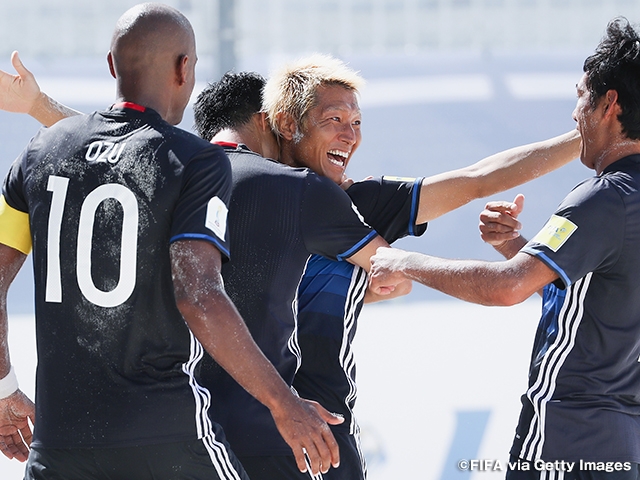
(128, 243)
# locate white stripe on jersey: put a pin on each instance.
(542, 390)
(217, 451)
(292, 343)
(355, 295)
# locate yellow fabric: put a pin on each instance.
(14, 228)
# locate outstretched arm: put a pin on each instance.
(21, 94)
(216, 323)
(487, 283)
(15, 408)
(447, 191)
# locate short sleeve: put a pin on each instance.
(14, 216)
(201, 210)
(585, 234)
(389, 205)
(331, 224)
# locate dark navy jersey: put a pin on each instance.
(583, 400)
(278, 216)
(105, 195)
(331, 295)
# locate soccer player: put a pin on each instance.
(126, 215)
(582, 407)
(312, 104)
(278, 216)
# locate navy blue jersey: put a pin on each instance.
(331, 296)
(278, 216)
(105, 195)
(583, 400)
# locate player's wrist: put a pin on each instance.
(8, 384)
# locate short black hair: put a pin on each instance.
(615, 65)
(228, 103)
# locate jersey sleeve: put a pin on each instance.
(14, 217)
(585, 234)
(389, 205)
(201, 211)
(331, 224)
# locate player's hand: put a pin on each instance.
(15, 432)
(303, 425)
(499, 221)
(387, 270)
(18, 93)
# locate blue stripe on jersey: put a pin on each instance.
(550, 263)
(199, 236)
(415, 196)
(357, 246)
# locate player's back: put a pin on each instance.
(102, 192)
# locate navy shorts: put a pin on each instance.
(197, 459)
(284, 467)
(580, 471)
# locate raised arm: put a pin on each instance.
(216, 323)
(447, 191)
(487, 283)
(15, 408)
(21, 94)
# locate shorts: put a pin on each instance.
(581, 471)
(284, 467)
(197, 459)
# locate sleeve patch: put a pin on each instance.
(14, 228)
(217, 217)
(555, 233)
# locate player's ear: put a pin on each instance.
(112, 69)
(182, 69)
(287, 126)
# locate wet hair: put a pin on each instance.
(615, 65)
(292, 89)
(228, 103)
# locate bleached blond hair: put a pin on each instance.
(292, 88)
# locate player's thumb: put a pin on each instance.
(18, 65)
(519, 205)
(330, 418)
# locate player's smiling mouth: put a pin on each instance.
(338, 157)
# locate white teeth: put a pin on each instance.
(339, 153)
(336, 162)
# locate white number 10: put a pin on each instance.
(128, 243)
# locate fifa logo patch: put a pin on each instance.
(556, 232)
(217, 217)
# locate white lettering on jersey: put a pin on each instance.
(216, 220)
(102, 152)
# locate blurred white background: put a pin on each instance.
(449, 82)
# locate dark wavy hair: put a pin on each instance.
(228, 103)
(615, 65)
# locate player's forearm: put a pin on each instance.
(510, 248)
(474, 281)
(47, 111)
(518, 165)
(11, 261)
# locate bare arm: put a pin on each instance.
(487, 283)
(15, 409)
(447, 191)
(216, 323)
(21, 94)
